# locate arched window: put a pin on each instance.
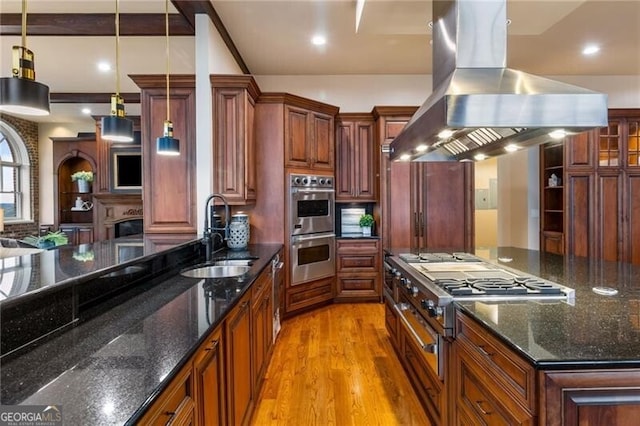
(15, 171)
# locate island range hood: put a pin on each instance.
(478, 106)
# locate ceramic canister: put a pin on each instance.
(239, 232)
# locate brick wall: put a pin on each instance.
(28, 131)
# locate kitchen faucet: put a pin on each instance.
(213, 230)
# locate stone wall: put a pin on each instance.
(28, 131)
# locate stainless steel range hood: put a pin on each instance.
(483, 105)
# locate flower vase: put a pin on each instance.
(83, 185)
(366, 231)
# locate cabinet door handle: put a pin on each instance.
(244, 305)
(479, 405)
(416, 225)
(421, 224)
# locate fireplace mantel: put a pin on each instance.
(110, 209)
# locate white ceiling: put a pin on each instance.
(273, 37)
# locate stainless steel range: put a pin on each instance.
(423, 287)
(433, 281)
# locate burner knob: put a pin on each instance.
(414, 291)
(321, 181)
(296, 181)
(328, 181)
(407, 283)
(431, 308)
(305, 181)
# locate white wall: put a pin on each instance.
(360, 93)
(45, 157)
(352, 93)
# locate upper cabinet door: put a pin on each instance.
(297, 148)
(309, 140)
(322, 151)
(234, 141)
(356, 159)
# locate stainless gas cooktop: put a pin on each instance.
(466, 277)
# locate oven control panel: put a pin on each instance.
(311, 181)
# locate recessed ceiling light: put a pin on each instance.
(511, 147)
(104, 66)
(479, 157)
(558, 134)
(421, 148)
(319, 40)
(86, 111)
(405, 157)
(591, 49)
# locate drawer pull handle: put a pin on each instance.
(484, 351)
(213, 346)
(485, 412)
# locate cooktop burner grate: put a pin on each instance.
(517, 286)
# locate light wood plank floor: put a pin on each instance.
(336, 366)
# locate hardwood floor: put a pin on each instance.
(336, 366)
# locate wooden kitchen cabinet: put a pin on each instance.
(209, 378)
(492, 384)
(590, 398)
(234, 139)
(307, 295)
(175, 405)
(358, 270)
(262, 326)
(552, 197)
(395, 203)
(356, 159)
(601, 190)
(239, 363)
(78, 233)
(169, 202)
(309, 139)
(442, 206)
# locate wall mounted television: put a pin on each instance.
(126, 167)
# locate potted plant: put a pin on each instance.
(366, 222)
(83, 179)
(47, 241)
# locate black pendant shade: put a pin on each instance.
(167, 144)
(23, 96)
(117, 129)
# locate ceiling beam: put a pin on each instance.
(91, 98)
(189, 8)
(94, 24)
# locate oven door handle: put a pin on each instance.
(312, 191)
(427, 347)
(298, 238)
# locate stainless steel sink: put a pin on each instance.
(216, 271)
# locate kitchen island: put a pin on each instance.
(548, 362)
(111, 365)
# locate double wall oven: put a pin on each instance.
(312, 227)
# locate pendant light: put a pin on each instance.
(167, 144)
(21, 93)
(116, 127)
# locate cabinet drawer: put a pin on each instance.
(514, 374)
(361, 262)
(175, 402)
(476, 398)
(357, 246)
(357, 283)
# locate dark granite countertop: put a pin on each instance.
(595, 331)
(107, 369)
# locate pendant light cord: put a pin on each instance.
(24, 23)
(117, 49)
(166, 23)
